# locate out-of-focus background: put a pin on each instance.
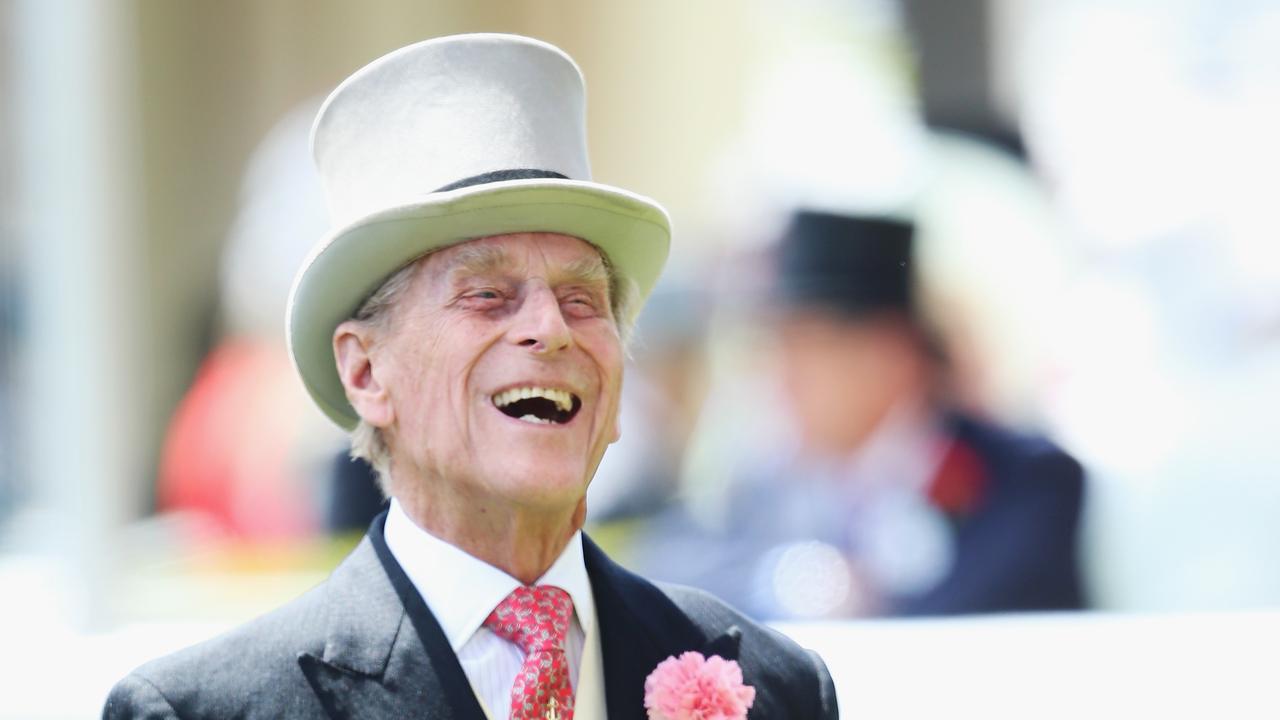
(1092, 186)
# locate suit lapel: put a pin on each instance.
(639, 628)
(385, 655)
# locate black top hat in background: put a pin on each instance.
(850, 264)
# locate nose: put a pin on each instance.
(540, 325)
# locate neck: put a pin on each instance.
(521, 541)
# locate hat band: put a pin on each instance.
(501, 175)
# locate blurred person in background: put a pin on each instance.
(478, 364)
(892, 501)
(246, 457)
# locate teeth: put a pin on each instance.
(531, 418)
(562, 398)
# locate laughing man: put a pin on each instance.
(465, 320)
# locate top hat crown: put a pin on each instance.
(444, 111)
(853, 264)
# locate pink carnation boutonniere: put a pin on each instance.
(693, 687)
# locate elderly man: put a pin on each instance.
(466, 321)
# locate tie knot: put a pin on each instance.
(535, 618)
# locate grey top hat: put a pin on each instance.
(445, 141)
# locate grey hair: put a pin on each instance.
(367, 441)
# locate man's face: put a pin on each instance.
(842, 376)
(503, 366)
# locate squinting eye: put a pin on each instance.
(580, 307)
(482, 299)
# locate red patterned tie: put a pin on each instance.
(536, 619)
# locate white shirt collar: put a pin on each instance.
(461, 590)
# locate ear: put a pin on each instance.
(353, 350)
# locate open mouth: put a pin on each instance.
(540, 406)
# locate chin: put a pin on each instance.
(541, 481)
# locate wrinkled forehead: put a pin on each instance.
(562, 257)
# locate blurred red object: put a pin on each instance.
(229, 453)
(959, 484)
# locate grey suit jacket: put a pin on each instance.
(364, 645)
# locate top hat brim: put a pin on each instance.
(353, 261)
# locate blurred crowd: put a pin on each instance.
(927, 359)
(859, 483)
